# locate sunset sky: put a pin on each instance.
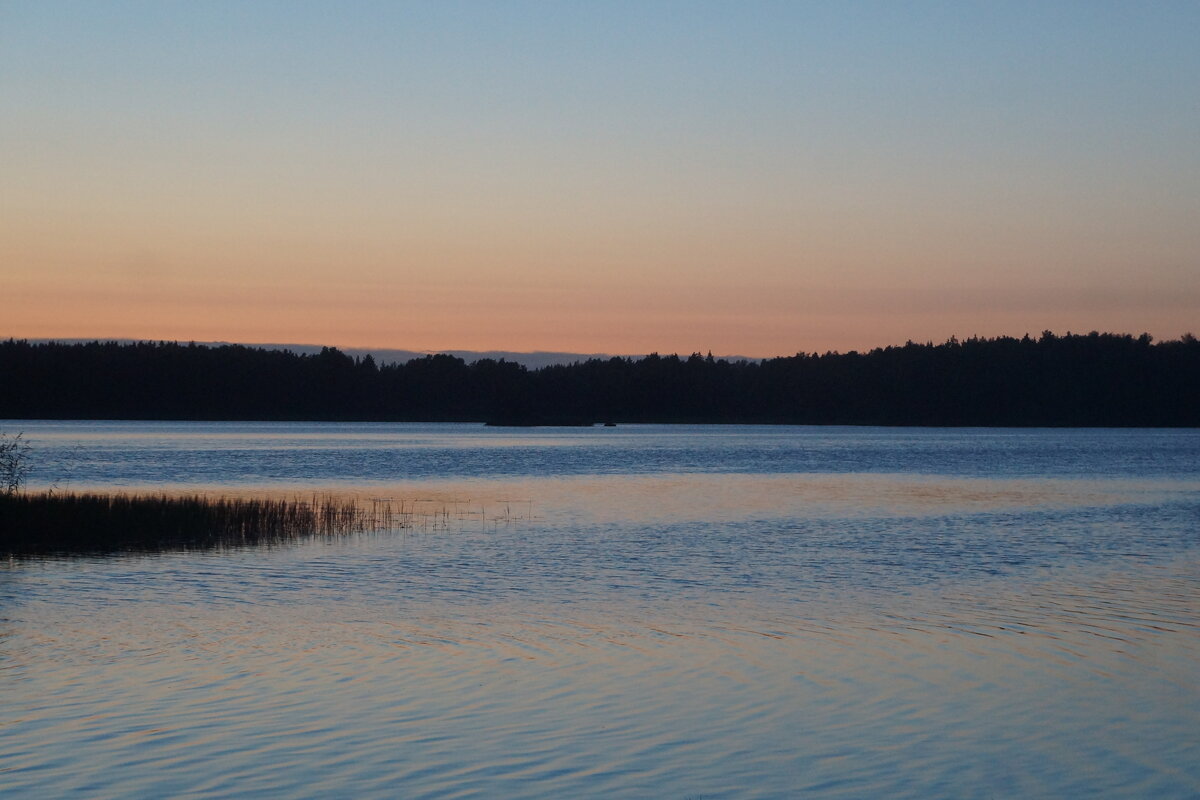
(742, 178)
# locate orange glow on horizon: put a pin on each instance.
(179, 176)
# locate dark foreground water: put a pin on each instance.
(644, 611)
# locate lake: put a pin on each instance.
(631, 612)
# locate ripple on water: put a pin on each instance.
(636, 636)
(1073, 681)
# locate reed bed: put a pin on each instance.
(40, 523)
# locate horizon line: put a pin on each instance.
(541, 354)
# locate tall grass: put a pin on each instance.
(32, 523)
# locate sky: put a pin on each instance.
(751, 178)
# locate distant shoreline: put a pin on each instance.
(1093, 380)
(575, 426)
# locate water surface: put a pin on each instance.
(647, 611)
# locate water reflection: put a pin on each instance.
(322, 455)
(708, 497)
(670, 633)
(1050, 687)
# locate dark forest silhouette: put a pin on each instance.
(1074, 380)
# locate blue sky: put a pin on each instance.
(758, 178)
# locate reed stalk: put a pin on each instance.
(51, 522)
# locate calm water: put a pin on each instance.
(644, 611)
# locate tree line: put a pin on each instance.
(1096, 379)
